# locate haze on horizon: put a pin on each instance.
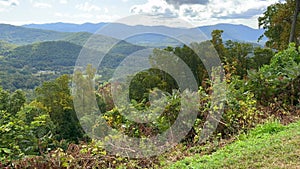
(196, 12)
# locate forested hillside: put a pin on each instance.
(208, 104)
(19, 35)
(25, 67)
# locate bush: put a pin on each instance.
(278, 79)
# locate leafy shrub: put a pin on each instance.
(239, 113)
(278, 79)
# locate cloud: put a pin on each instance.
(63, 1)
(238, 8)
(177, 3)
(41, 5)
(9, 3)
(87, 7)
(200, 11)
(155, 8)
(5, 5)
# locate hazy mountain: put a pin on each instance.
(21, 35)
(231, 32)
(235, 32)
(68, 27)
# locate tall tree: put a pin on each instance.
(56, 97)
(277, 21)
(217, 41)
(293, 30)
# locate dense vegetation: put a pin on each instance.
(25, 67)
(52, 127)
(19, 35)
(47, 125)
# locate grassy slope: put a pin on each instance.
(269, 146)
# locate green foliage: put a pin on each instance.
(239, 114)
(38, 133)
(143, 82)
(5, 48)
(55, 96)
(27, 66)
(278, 78)
(13, 131)
(217, 41)
(237, 57)
(169, 113)
(262, 56)
(277, 21)
(45, 55)
(23, 128)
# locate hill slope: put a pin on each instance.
(24, 67)
(20, 35)
(269, 146)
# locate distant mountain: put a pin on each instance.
(235, 32)
(21, 35)
(231, 32)
(68, 27)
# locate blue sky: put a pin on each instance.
(197, 12)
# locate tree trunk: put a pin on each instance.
(293, 30)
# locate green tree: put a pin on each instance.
(262, 56)
(56, 97)
(217, 41)
(277, 22)
(237, 56)
(16, 101)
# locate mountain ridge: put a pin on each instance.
(20, 35)
(237, 32)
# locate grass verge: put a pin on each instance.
(271, 145)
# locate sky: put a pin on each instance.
(196, 12)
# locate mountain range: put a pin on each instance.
(231, 31)
(79, 33)
(31, 54)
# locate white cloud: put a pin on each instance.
(41, 5)
(106, 10)
(63, 1)
(212, 11)
(154, 7)
(7, 4)
(87, 7)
